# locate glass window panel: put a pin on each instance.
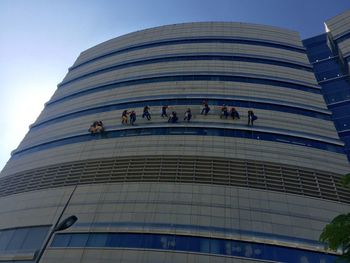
(194, 244)
(17, 239)
(205, 245)
(130, 240)
(182, 243)
(258, 250)
(113, 240)
(5, 238)
(157, 241)
(78, 240)
(148, 241)
(217, 246)
(61, 240)
(237, 248)
(286, 255)
(97, 240)
(35, 238)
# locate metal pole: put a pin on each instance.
(53, 229)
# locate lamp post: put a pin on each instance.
(66, 223)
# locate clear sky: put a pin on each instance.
(40, 39)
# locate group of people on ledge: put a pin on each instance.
(233, 113)
(173, 116)
(96, 127)
(130, 116)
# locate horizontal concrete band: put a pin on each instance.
(191, 40)
(341, 37)
(190, 76)
(190, 57)
(180, 169)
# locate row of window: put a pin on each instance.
(193, 77)
(222, 230)
(197, 40)
(187, 57)
(214, 246)
(199, 131)
(268, 105)
(26, 239)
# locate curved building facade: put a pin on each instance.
(208, 190)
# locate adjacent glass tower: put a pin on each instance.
(209, 190)
(330, 55)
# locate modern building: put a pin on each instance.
(208, 190)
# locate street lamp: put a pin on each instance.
(66, 223)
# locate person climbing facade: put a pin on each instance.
(96, 127)
(251, 118)
(164, 113)
(188, 115)
(173, 117)
(125, 117)
(205, 109)
(132, 117)
(234, 113)
(146, 113)
(224, 112)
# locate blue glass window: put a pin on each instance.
(17, 239)
(35, 237)
(61, 240)
(97, 240)
(132, 241)
(205, 245)
(25, 239)
(78, 240)
(5, 237)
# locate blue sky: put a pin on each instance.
(40, 39)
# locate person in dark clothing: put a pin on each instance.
(132, 117)
(188, 115)
(146, 113)
(251, 117)
(224, 111)
(234, 113)
(173, 117)
(164, 114)
(206, 108)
